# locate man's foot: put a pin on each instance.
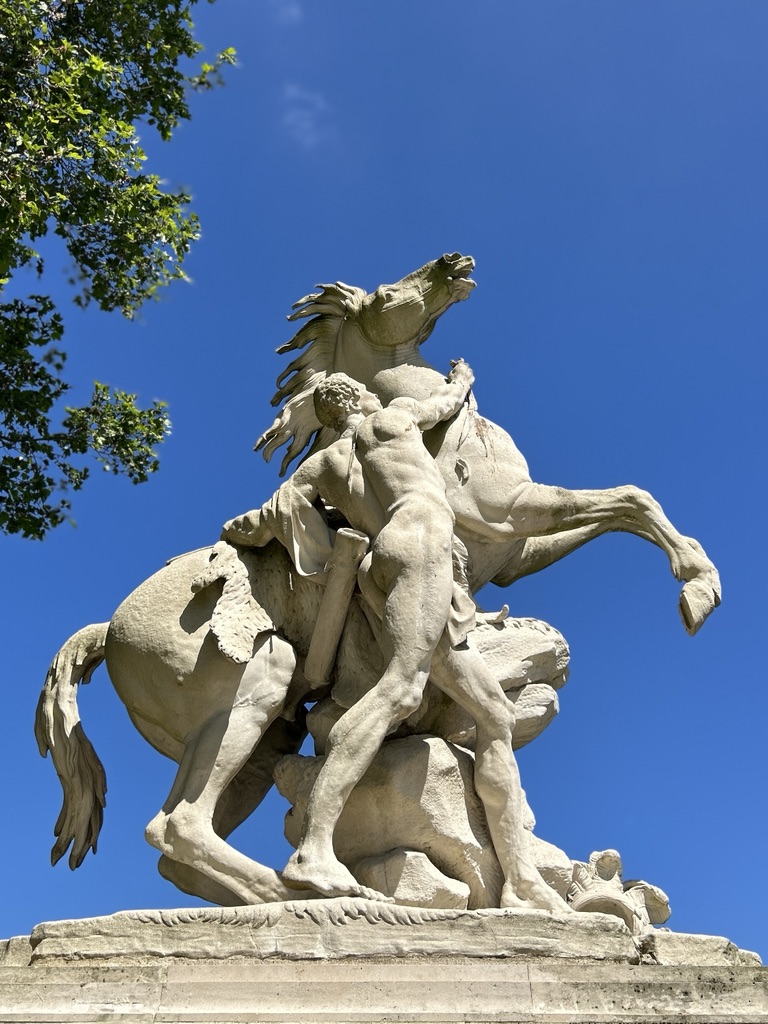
(328, 877)
(533, 895)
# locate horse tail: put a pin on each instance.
(58, 729)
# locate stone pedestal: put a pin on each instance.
(351, 961)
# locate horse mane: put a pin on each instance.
(327, 309)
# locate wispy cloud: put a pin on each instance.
(287, 12)
(307, 117)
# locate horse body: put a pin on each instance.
(219, 720)
(162, 657)
(163, 660)
(482, 467)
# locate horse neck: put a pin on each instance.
(389, 371)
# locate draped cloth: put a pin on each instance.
(302, 530)
(461, 621)
(301, 527)
(238, 619)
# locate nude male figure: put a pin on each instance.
(381, 477)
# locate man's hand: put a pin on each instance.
(248, 530)
(461, 372)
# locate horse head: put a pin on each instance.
(404, 314)
(360, 333)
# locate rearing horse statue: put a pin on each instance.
(511, 526)
(227, 722)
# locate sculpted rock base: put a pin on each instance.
(413, 880)
(418, 795)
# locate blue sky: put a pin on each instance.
(606, 164)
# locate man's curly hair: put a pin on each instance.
(334, 398)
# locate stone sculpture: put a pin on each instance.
(381, 477)
(416, 825)
(597, 886)
(234, 625)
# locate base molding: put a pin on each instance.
(404, 990)
(349, 962)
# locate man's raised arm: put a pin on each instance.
(445, 401)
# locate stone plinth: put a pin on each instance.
(349, 961)
(333, 929)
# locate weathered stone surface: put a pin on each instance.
(418, 794)
(402, 991)
(347, 961)
(332, 929)
(351, 927)
(216, 655)
(675, 949)
(412, 880)
(555, 866)
(15, 952)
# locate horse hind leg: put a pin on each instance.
(183, 830)
(238, 801)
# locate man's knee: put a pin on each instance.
(496, 718)
(402, 695)
(410, 701)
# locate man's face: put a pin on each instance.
(368, 403)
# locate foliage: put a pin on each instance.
(75, 78)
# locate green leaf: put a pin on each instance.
(76, 77)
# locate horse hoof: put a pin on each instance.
(698, 599)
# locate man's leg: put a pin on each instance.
(353, 743)
(408, 640)
(464, 676)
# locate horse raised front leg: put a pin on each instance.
(540, 552)
(183, 830)
(540, 510)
